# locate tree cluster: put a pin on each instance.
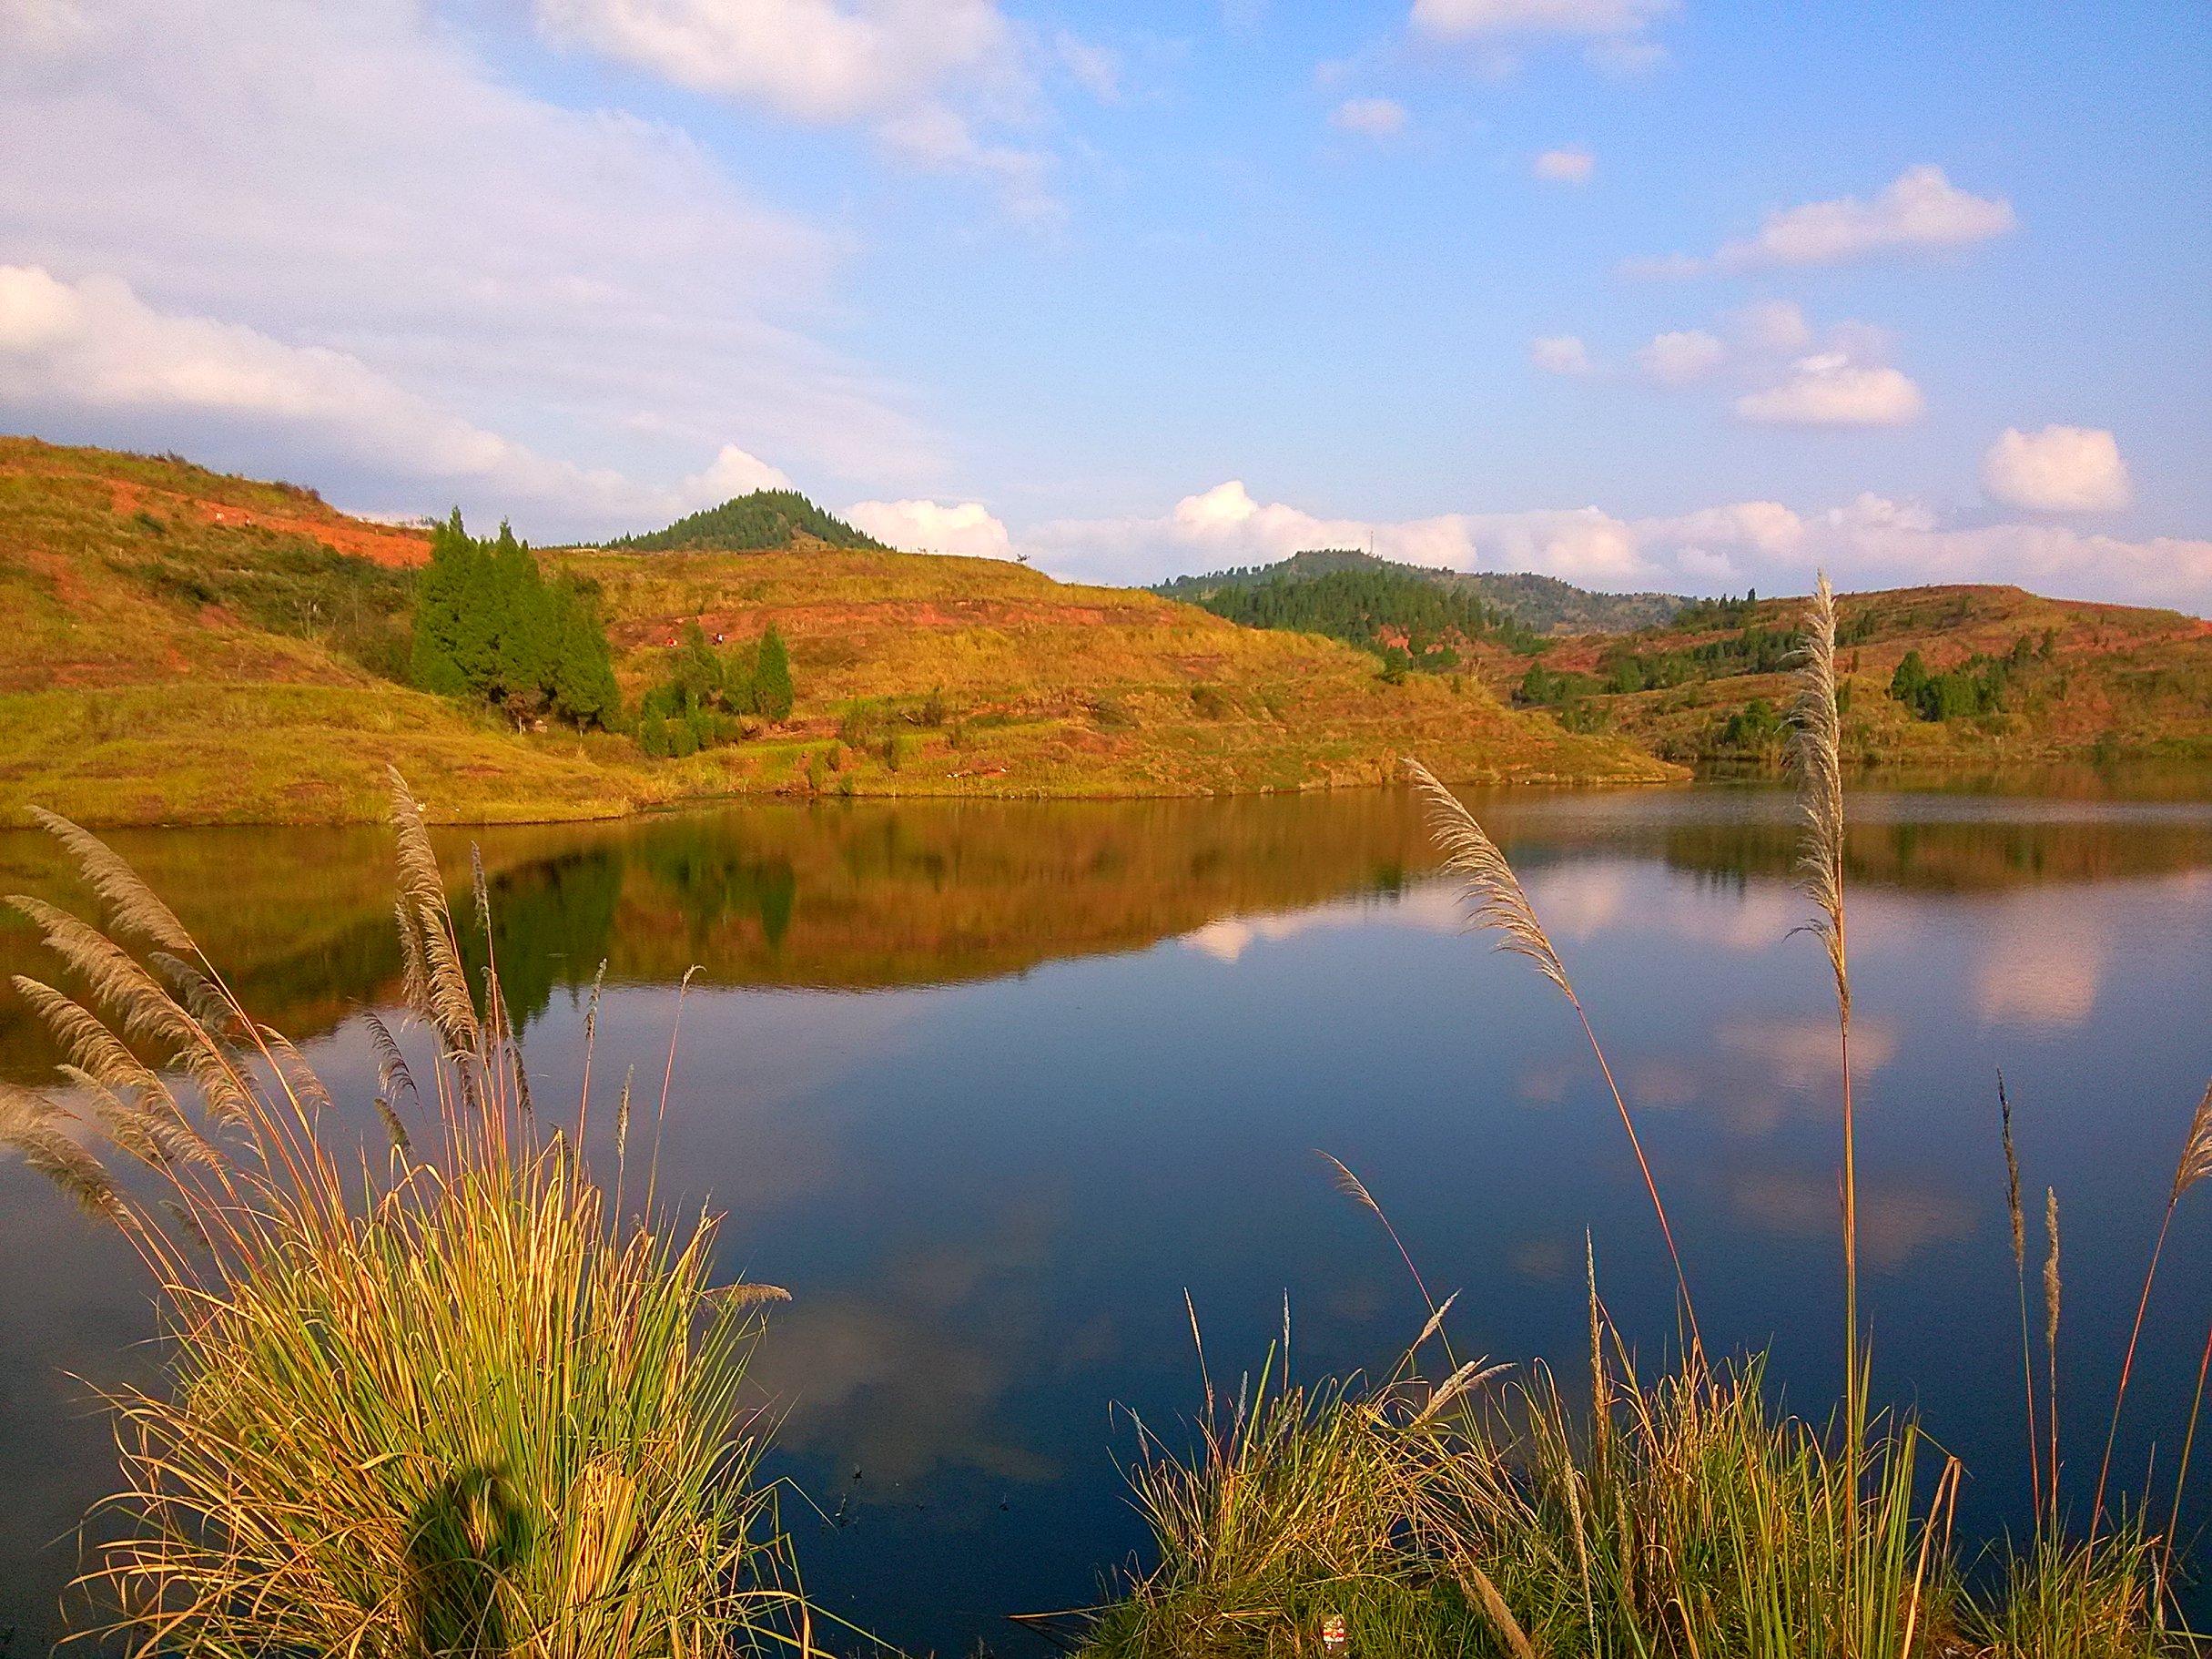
(707, 695)
(1374, 609)
(489, 628)
(1976, 687)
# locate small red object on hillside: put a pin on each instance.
(1335, 1641)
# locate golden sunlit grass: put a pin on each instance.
(126, 698)
(438, 1397)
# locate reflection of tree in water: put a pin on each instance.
(713, 875)
(552, 922)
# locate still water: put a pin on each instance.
(990, 1087)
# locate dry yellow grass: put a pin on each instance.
(127, 697)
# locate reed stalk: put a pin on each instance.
(1496, 902)
(2019, 1235)
(2192, 1166)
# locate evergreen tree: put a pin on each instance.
(771, 690)
(489, 628)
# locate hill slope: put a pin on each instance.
(747, 523)
(194, 648)
(1997, 676)
(1543, 604)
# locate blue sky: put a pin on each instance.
(1692, 296)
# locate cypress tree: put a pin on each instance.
(771, 690)
(489, 627)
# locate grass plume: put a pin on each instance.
(1495, 901)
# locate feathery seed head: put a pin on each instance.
(1815, 753)
(2196, 1151)
(132, 906)
(1490, 890)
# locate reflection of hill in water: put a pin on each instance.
(867, 896)
(876, 895)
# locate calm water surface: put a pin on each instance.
(990, 1087)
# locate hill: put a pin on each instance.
(755, 523)
(1933, 677)
(1542, 605)
(187, 647)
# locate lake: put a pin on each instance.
(990, 1087)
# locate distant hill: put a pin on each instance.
(754, 523)
(1543, 604)
(182, 647)
(1930, 676)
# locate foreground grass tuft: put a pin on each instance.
(440, 1399)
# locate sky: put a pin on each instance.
(1674, 294)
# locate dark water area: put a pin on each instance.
(990, 1087)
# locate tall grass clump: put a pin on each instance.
(1683, 1515)
(435, 1397)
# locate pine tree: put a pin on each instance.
(489, 627)
(771, 690)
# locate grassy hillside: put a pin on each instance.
(187, 647)
(2007, 677)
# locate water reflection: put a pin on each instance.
(1101, 1041)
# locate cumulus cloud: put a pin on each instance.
(1919, 209)
(1573, 164)
(927, 526)
(2061, 469)
(580, 282)
(1561, 354)
(1678, 358)
(889, 65)
(1871, 542)
(1374, 117)
(1828, 389)
(93, 347)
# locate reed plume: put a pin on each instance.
(1816, 755)
(132, 907)
(1495, 901)
(2194, 1164)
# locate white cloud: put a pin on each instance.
(1468, 19)
(1561, 354)
(1871, 542)
(1376, 118)
(92, 347)
(1829, 389)
(1573, 164)
(580, 282)
(927, 526)
(1919, 209)
(2061, 469)
(889, 65)
(1678, 358)
(813, 60)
